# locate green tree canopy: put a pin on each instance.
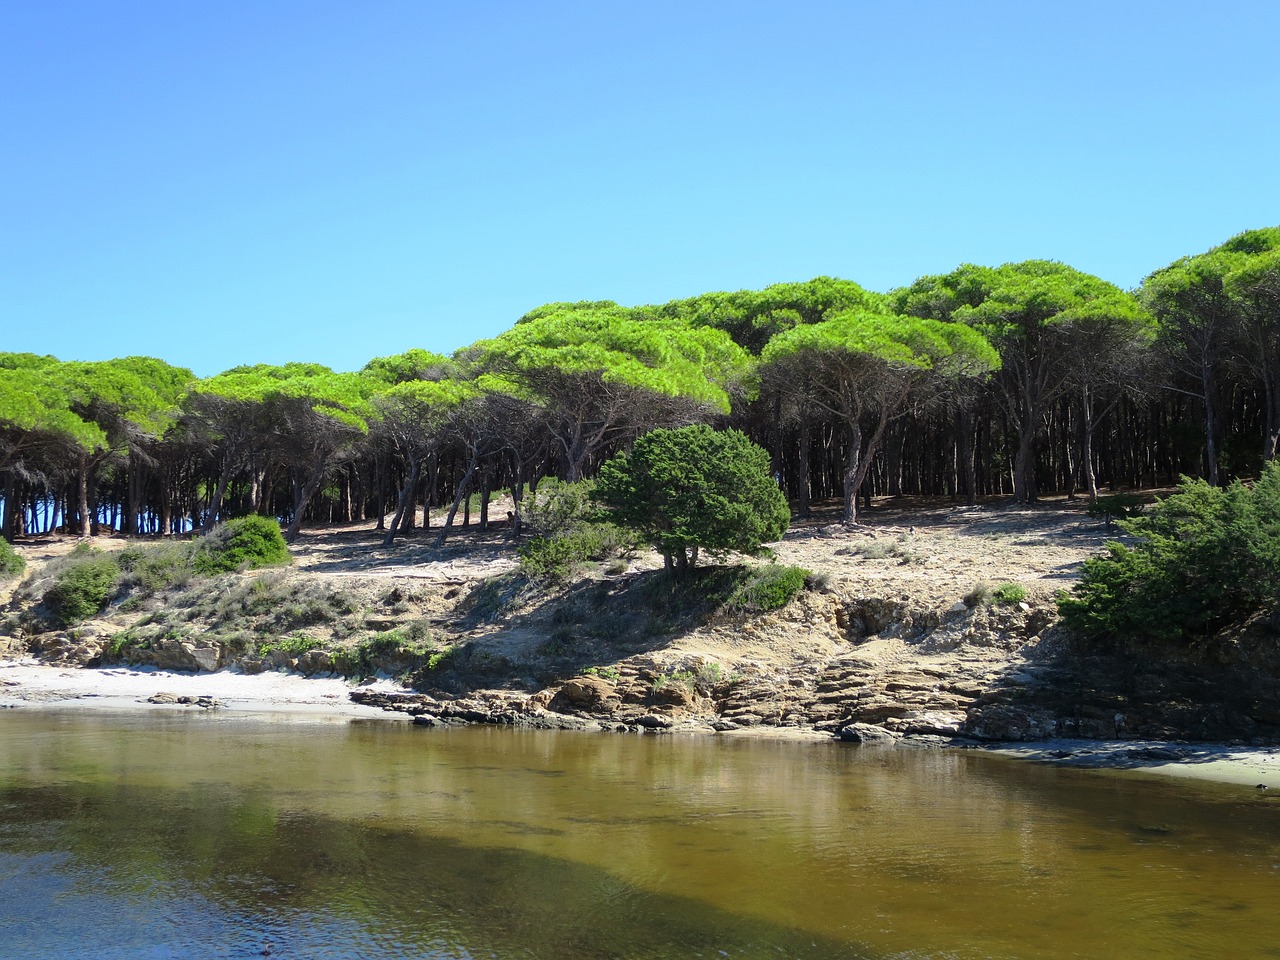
(601, 375)
(305, 416)
(864, 368)
(694, 489)
(1046, 320)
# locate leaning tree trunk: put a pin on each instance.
(404, 503)
(302, 494)
(463, 486)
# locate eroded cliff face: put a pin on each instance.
(901, 633)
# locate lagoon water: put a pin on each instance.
(184, 836)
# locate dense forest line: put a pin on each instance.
(1025, 379)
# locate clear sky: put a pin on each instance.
(245, 182)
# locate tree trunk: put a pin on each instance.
(1210, 423)
(463, 484)
(1088, 476)
(1024, 464)
(403, 503)
(86, 527)
(302, 494)
(967, 468)
(802, 468)
(854, 471)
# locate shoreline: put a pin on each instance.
(31, 685)
(28, 684)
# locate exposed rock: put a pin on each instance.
(585, 693)
(867, 733)
(205, 703)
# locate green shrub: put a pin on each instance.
(1205, 558)
(1009, 593)
(245, 543)
(767, 588)
(84, 583)
(153, 568)
(559, 508)
(1117, 506)
(694, 490)
(292, 644)
(558, 556)
(11, 562)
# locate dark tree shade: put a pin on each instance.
(695, 489)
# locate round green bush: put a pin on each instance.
(245, 543)
(11, 563)
(83, 587)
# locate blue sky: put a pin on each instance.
(217, 184)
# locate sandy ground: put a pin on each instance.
(28, 684)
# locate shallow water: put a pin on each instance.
(204, 836)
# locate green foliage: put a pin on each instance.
(1206, 558)
(769, 587)
(558, 557)
(85, 581)
(245, 543)
(560, 507)
(149, 569)
(11, 562)
(292, 644)
(1009, 593)
(560, 347)
(569, 531)
(1117, 506)
(695, 489)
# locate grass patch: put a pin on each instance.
(765, 588)
(1009, 593)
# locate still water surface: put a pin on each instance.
(201, 837)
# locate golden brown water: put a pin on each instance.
(199, 836)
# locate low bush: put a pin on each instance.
(85, 580)
(155, 567)
(1205, 559)
(558, 556)
(292, 644)
(765, 588)
(11, 562)
(245, 543)
(1009, 593)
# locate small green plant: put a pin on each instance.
(708, 676)
(604, 673)
(11, 562)
(244, 543)
(292, 644)
(124, 643)
(765, 588)
(85, 581)
(441, 660)
(1009, 593)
